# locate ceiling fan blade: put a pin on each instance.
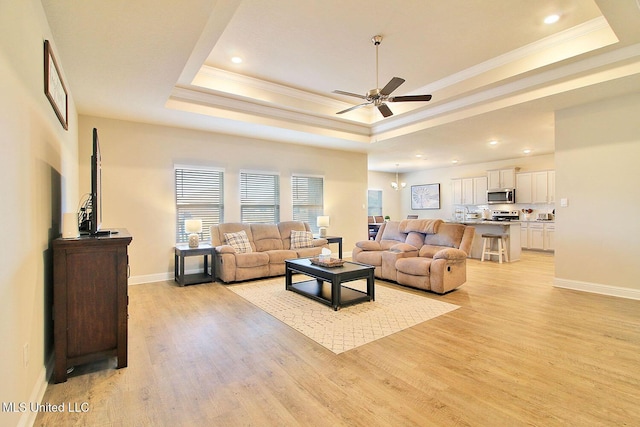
(385, 110)
(353, 108)
(391, 86)
(410, 98)
(341, 92)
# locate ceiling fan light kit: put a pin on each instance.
(379, 97)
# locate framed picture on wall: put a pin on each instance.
(54, 86)
(425, 196)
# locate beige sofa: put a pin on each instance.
(263, 253)
(421, 253)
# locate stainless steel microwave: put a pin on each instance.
(502, 196)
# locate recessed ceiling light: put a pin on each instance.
(454, 161)
(551, 19)
(526, 151)
(236, 60)
(494, 142)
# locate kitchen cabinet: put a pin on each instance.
(536, 236)
(524, 235)
(501, 178)
(539, 192)
(480, 190)
(469, 191)
(456, 185)
(535, 187)
(523, 188)
(551, 186)
(549, 237)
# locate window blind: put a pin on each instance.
(199, 195)
(259, 197)
(308, 199)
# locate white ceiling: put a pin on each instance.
(495, 70)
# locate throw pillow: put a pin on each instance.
(301, 239)
(238, 241)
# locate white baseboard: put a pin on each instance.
(161, 277)
(28, 418)
(150, 278)
(597, 288)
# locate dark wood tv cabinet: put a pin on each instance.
(90, 300)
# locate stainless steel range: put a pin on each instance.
(505, 215)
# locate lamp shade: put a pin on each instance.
(322, 221)
(193, 226)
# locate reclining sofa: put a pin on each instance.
(422, 253)
(245, 251)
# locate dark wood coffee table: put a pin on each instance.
(327, 285)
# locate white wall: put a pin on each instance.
(139, 191)
(38, 169)
(391, 205)
(597, 155)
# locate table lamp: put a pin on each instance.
(193, 227)
(323, 222)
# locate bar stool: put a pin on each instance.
(487, 243)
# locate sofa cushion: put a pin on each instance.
(414, 266)
(391, 231)
(266, 237)
(425, 226)
(285, 228)
(238, 241)
(301, 239)
(448, 235)
(254, 259)
(279, 256)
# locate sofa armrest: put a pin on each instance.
(225, 249)
(450, 254)
(369, 245)
(318, 243)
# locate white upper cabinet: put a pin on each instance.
(501, 178)
(551, 186)
(480, 190)
(540, 193)
(535, 187)
(469, 191)
(523, 188)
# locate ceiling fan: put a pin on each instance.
(379, 97)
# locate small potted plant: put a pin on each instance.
(387, 218)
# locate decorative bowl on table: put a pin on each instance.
(327, 262)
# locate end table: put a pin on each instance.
(183, 250)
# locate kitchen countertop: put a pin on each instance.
(488, 221)
(484, 221)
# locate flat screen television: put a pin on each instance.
(95, 216)
(90, 216)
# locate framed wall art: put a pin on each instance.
(425, 196)
(54, 87)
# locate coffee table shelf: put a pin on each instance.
(321, 292)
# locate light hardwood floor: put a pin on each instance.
(517, 352)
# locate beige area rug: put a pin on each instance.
(351, 326)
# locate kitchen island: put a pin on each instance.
(510, 228)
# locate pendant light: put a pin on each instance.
(397, 185)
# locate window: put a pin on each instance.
(259, 197)
(308, 201)
(374, 202)
(199, 195)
